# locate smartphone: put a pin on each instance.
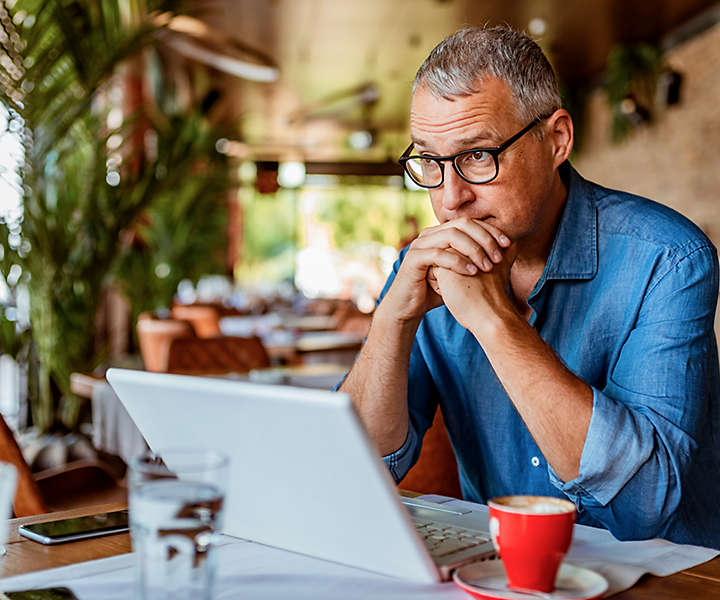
(45, 594)
(77, 528)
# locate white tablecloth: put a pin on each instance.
(248, 570)
(245, 571)
(113, 429)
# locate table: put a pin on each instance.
(116, 433)
(260, 324)
(321, 375)
(24, 556)
(313, 346)
(291, 338)
(311, 322)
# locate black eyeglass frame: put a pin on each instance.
(494, 152)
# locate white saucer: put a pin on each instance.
(487, 580)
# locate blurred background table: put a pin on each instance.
(115, 432)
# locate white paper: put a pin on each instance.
(621, 563)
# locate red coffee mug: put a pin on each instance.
(532, 534)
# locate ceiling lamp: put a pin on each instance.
(361, 139)
(537, 26)
(198, 41)
(364, 96)
(224, 63)
(291, 174)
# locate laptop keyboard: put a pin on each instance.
(443, 540)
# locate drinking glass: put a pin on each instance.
(176, 510)
(8, 482)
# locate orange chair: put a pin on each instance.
(357, 324)
(155, 336)
(205, 320)
(77, 483)
(344, 310)
(28, 498)
(349, 319)
(436, 470)
(225, 354)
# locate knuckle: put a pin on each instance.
(436, 254)
(478, 254)
(459, 261)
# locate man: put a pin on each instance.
(564, 329)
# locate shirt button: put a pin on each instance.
(535, 461)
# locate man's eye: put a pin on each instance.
(479, 156)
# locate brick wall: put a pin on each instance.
(676, 159)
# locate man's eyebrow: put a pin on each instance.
(484, 139)
(418, 142)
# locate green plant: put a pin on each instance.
(183, 234)
(630, 81)
(60, 60)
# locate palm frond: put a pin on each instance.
(54, 73)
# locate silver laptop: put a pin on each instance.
(304, 475)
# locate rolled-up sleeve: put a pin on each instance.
(400, 461)
(647, 419)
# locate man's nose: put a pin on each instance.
(455, 190)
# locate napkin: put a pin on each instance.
(621, 563)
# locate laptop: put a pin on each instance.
(304, 474)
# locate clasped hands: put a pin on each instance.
(464, 264)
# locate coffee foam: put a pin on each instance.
(545, 508)
(538, 505)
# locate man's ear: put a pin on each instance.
(562, 134)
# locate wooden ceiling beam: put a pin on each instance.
(386, 168)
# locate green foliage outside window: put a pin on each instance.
(270, 235)
(361, 212)
(357, 210)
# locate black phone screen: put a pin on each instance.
(64, 527)
(46, 594)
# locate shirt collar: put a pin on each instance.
(574, 253)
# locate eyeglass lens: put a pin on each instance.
(476, 167)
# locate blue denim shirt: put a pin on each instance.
(627, 301)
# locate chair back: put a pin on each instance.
(357, 324)
(155, 336)
(28, 498)
(225, 354)
(436, 470)
(205, 320)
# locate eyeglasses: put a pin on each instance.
(476, 166)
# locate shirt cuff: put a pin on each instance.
(605, 466)
(336, 387)
(400, 461)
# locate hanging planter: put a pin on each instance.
(631, 79)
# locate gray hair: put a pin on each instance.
(457, 65)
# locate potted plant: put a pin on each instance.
(631, 78)
(78, 197)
